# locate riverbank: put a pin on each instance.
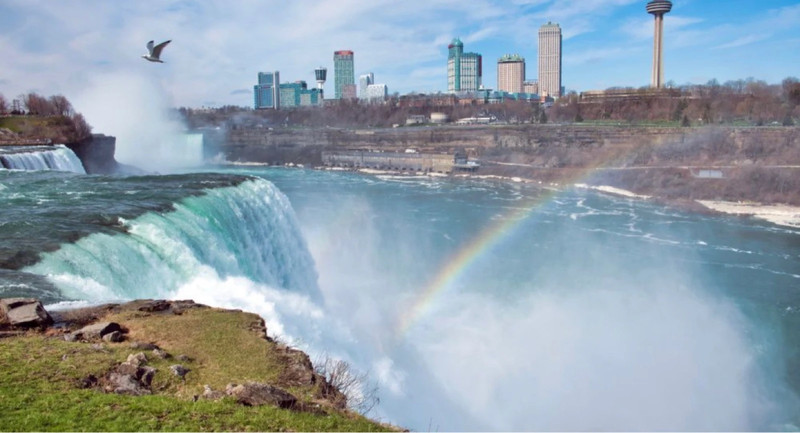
(782, 215)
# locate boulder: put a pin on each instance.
(125, 384)
(129, 379)
(179, 370)
(24, 312)
(137, 359)
(145, 375)
(161, 354)
(143, 346)
(259, 394)
(299, 371)
(113, 337)
(97, 330)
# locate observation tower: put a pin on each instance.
(658, 8)
(321, 74)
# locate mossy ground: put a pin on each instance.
(40, 377)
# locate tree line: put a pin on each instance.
(358, 114)
(748, 102)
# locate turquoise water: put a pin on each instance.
(592, 312)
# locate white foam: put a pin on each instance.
(783, 215)
(613, 190)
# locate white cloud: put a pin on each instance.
(746, 40)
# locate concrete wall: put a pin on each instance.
(389, 161)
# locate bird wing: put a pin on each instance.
(157, 49)
(150, 47)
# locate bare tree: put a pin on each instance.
(60, 105)
(791, 91)
(3, 104)
(82, 129)
(361, 393)
(38, 105)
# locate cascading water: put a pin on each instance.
(57, 157)
(244, 231)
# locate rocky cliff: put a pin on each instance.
(97, 154)
(759, 164)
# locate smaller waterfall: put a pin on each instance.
(57, 157)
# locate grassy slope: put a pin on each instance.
(56, 128)
(39, 378)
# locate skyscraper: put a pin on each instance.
(464, 70)
(550, 60)
(266, 93)
(364, 81)
(510, 73)
(343, 71)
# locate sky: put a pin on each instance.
(219, 46)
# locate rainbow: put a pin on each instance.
(461, 261)
(458, 263)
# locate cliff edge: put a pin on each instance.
(158, 365)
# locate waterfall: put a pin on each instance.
(57, 157)
(247, 231)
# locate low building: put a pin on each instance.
(417, 119)
(439, 118)
(377, 92)
(297, 94)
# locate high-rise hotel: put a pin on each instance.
(550, 60)
(464, 70)
(510, 73)
(267, 93)
(344, 75)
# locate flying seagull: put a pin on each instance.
(155, 51)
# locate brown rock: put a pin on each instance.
(179, 370)
(113, 337)
(125, 384)
(155, 306)
(137, 359)
(24, 312)
(128, 369)
(298, 371)
(97, 330)
(143, 346)
(259, 394)
(145, 375)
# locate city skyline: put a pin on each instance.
(217, 47)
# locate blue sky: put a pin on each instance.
(219, 46)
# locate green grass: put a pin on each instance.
(39, 379)
(27, 123)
